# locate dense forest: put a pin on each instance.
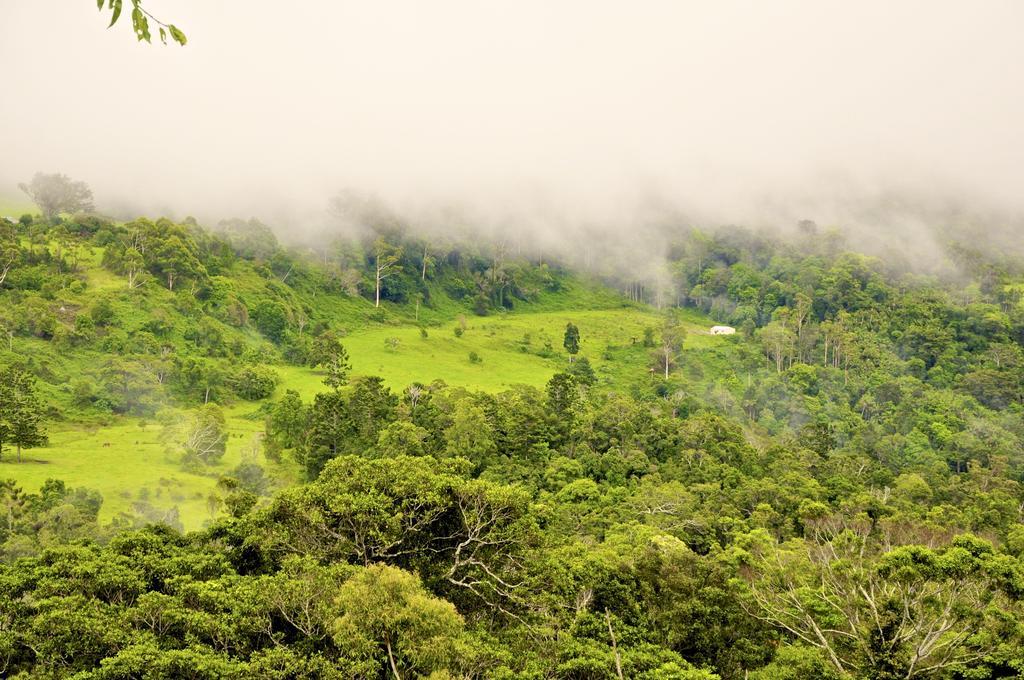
(835, 493)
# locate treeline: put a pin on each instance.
(547, 533)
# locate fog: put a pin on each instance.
(537, 117)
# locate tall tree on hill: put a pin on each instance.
(328, 352)
(21, 411)
(672, 337)
(56, 193)
(385, 263)
(571, 341)
(174, 259)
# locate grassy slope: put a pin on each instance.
(125, 460)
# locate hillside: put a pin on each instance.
(668, 502)
(112, 361)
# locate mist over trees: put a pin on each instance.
(56, 193)
(476, 415)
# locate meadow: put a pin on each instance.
(126, 461)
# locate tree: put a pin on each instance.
(385, 262)
(906, 611)
(21, 411)
(571, 342)
(372, 406)
(255, 382)
(140, 21)
(56, 193)
(196, 376)
(328, 352)
(9, 250)
(779, 344)
(206, 435)
(582, 371)
(288, 420)
(401, 438)
(672, 337)
(174, 258)
(385, 608)
(328, 427)
(563, 395)
(271, 319)
(469, 435)
(134, 266)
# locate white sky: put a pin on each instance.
(722, 107)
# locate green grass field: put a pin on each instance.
(126, 461)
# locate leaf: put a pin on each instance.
(141, 25)
(99, 4)
(177, 35)
(116, 4)
(163, 35)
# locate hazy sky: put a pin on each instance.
(729, 109)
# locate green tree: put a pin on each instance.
(329, 428)
(271, 319)
(287, 423)
(903, 611)
(470, 435)
(672, 337)
(21, 411)
(372, 406)
(401, 438)
(571, 341)
(388, 610)
(328, 352)
(582, 371)
(173, 259)
(255, 382)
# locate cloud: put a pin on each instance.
(553, 113)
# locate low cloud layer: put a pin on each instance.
(533, 114)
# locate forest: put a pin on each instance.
(835, 491)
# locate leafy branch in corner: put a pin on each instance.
(140, 21)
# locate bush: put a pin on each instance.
(271, 319)
(255, 382)
(475, 358)
(102, 313)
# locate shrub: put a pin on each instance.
(255, 382)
